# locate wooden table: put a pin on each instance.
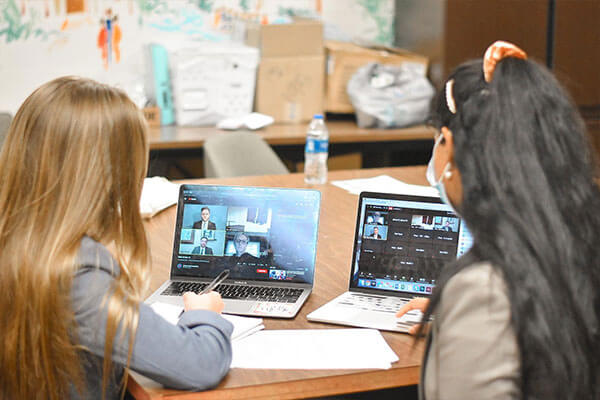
(193, 137)
(411, 145)
(335, 241)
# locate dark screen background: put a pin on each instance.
(402, 246)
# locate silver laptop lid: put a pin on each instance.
(401, 243)
(261, 234)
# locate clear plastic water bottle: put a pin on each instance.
(315, 152)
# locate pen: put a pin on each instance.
(216, 282)
(213, 284)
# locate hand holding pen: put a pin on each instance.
(206, 299)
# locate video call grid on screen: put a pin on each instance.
(402, 244)
(257, 233)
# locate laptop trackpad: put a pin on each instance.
(347, 313)
(333, 311)
(237, 306)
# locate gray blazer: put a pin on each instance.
(193, 355)
(473, 351)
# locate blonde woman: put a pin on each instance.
(74, 260)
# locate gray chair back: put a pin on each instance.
(230, 154)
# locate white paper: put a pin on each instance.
(385, 184)
(241, 334)
(242, 326)
(170, 312)
(250, 121)
(314, 349)
(157, 194)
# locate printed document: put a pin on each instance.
(385, 184)
(314, 349)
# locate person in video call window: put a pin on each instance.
(375, 218)
(240, 242)
(203, 249)
(375, 234)
(447, 226)
(205, 224)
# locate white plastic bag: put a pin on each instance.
(390, 96)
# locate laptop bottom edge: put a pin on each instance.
(254, 308)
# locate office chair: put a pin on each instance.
(240, 154)
(5, 119)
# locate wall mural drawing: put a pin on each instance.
(109, 38)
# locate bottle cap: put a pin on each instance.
(318, 116)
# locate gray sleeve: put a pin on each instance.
(193, 355)
(474, 352)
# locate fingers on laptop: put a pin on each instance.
(418, 303)
(414, 329)
(210, 301)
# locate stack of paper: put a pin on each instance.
(242, 326)
(157, 194)
(385, 184)
(314, 349)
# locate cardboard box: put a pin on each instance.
(291, 89)
(304, 37)
(291, 74)
(343, 59)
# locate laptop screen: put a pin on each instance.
(256, 233)
(402, 242)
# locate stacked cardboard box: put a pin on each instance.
(343, 59)
(291, 73)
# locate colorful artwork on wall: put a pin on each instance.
(109, 38)
(105, 39)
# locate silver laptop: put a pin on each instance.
(266, 237)
(401, 243)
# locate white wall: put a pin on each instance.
(39, 41)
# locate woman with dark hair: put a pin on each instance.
(518, 315)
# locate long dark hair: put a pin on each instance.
(531, 203)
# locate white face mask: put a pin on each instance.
(431, 176)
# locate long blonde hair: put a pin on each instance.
(72, 165)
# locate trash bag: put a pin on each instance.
(390, 96)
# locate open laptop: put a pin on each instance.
(401, 243)
(266, 237)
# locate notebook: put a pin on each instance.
(266, 237)
(401, 243)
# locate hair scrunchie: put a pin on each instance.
(492, 56)
(496, 52)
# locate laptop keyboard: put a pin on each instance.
(238, 292)
(370, 303)
(179, 288)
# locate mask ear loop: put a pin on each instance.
(446, 173)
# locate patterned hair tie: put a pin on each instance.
(496, 52)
